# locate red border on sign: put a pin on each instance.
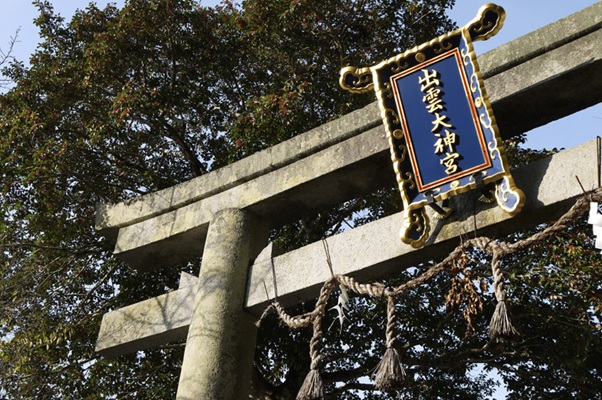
(477, 124)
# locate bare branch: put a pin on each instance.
(6, 56)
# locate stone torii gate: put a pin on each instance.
(225, 215)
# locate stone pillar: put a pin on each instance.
(218, 360)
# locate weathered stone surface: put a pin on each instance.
(550, 86)
(309, 171)
(220, 344)
(327, 177)
(543, 40)
(156, 321)
(150, 323)
(114, 216)
(550, 187)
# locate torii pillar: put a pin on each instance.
(218, 359)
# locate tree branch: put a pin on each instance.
(5, 56)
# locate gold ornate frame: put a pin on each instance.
(416, 229)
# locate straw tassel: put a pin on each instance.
(313, 387)
(501, 326)
(389, 373)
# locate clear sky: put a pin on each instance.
(522, 17)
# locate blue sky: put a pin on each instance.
(522, 17)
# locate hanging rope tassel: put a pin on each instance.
(501, 326)
(313, 387)
(389, 373)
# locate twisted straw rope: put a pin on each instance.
(372, 289)
(390, 321)
(316, 340)
(498, 249)
(498, 279)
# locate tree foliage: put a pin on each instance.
(120, 102)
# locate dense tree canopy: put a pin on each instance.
(120, 102)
